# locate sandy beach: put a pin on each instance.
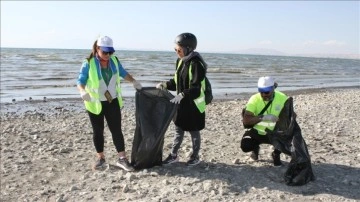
(47, 153)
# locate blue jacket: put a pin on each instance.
(84, 71)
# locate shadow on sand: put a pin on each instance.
(240, 178)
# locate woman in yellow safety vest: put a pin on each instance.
(188, 82)
(99, 86)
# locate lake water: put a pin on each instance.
(52, 73)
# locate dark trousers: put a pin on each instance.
(112, 113)
(251, 141)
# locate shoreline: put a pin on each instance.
(76, 105)
(288, 92)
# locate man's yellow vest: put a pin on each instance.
(199, 101)
(275, 108)
(92, 87)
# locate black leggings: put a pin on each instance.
(112, 113)
(251, 140)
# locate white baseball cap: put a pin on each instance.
(105, 43)
(265, 84)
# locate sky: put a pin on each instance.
(285, 27)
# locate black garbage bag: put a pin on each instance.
(153, 114)
(287, 138)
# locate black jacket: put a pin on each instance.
(188, 116)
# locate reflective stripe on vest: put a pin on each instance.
(199, 101)
(92, 87)
(275, 108)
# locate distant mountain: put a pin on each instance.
(322, 55)
(264, 51)
(261, 51)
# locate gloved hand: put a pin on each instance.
(270, 117)
(85, 95)
(137, 85)
(177, 98)
(161, 86)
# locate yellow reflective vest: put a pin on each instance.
(96, 87)
(199, 101)
(256, 104)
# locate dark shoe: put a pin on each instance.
(99, 164)
(171, 159)
(255, 154)
(276, 158)
(124, 164)
(194, 160)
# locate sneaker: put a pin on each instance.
(171, 159)
(193, 161)
(124, 164)
(255, 154)
(99, 164)
(276, 158)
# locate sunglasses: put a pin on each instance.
(266, 92)
(106, 53)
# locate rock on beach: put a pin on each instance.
(47, 153)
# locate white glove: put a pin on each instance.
(85, 95)
(161, 86)
(177, 99)
(270, 117)
(137, 85)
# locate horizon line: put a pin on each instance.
(312, 55)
